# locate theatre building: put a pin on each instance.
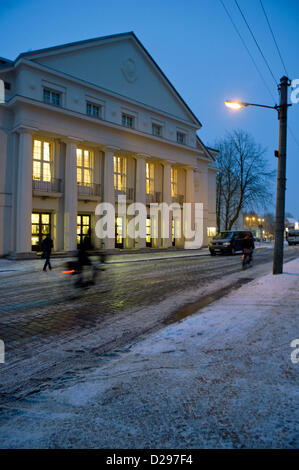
(83, 123)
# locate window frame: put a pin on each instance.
(93, 106)
(183, 136)
(174, 181)
(120, 169)
(83, 168)
(157, 126)
(150, 177)
(125, 117)
(42, 161)
(51, 94)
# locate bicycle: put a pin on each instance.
(92, 270)
(246, 258)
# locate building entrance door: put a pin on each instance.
(83, 226)
(119, 240)
(148, 232)
(40, 227)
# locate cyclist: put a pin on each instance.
(248, 247)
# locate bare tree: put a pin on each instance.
(244, 178)
(269, 222)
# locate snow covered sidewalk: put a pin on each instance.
(221, 378)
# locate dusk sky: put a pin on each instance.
(197, 47)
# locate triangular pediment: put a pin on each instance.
(119, 64)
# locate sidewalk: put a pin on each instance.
(33, 265)
(221, 378)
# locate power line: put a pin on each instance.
(257, 44)
(248, 51)
(275, 42)
(283, 64)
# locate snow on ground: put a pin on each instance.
(221, 378)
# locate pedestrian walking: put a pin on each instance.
(47, 245)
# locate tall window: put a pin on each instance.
(120, 173)
(41, 160)
(84, 167)
(149, 176)
(52, 97)
(93, 110)
(128, 121)
(181, 137)
(174, 182)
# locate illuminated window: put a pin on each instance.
(127, 121)
(41, 160)
(83, 227)
(174, 182)
(211, 231)
(40, 227)
(156, 130)
(175, 229)
(84, 167)
(173, 233)
(120, 173)
(119, 232)
(181, 137)
(148, 232)
(93, 110)
(149, 176)
(52, 97)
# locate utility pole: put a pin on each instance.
(281, 177)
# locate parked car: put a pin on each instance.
(228, 242)
(293, 237)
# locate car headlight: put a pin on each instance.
(226, 243)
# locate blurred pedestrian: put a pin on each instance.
(47, 245)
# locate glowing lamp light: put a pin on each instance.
(235, 104)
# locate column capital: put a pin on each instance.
(23, 129)
(71, 140)
(111, 148)
(143, 155)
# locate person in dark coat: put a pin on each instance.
(84, 248)
(83, 258)
(249, 245)
(47, 245)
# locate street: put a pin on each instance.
(51, 330)
(129, 365)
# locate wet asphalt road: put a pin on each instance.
(51, 326)
(44, 304)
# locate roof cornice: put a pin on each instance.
(88, 42)
(30, 101)
(105, 91)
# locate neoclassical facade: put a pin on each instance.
(83, 123)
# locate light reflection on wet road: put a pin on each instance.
(50, 328)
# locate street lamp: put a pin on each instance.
(241, 104)
(281, 169)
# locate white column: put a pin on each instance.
(167, 199)
(141, 190)
(109, 188)
(24, 194)
(190, 198)
(204, 198)
(70, 197)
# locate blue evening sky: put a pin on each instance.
(195, 44)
